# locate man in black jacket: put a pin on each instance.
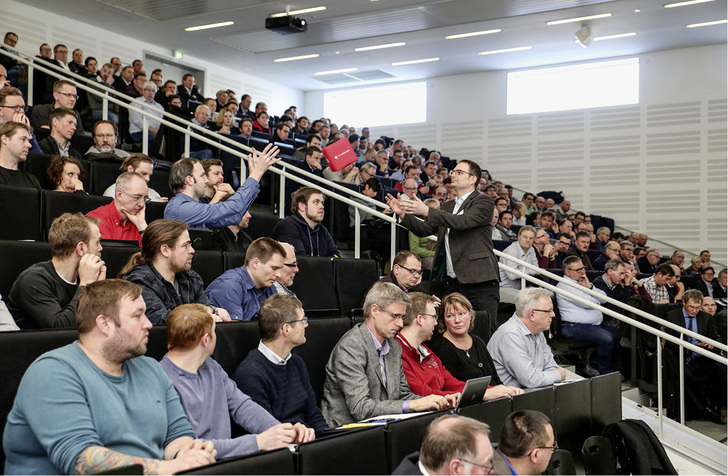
(303, 230)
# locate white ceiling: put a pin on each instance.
(422, 25)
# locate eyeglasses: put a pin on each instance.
(692, 308)
(396, 316)
(17, 108)
(304, 320)
(553, 447)
(548, 311)
(577, 270)
(69, 95)
(461, 172)
(138, 198)
(486, 468)
(291, 265)
(413, 271)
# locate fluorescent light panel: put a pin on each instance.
(579, 19)
(685, 4)
(475, 33)
(424, 60)
(334, 71)
(211, 25)
(614, 37)
(707, 23)
(507, 50)
(379, 47)
(295, 58)
(298, 12)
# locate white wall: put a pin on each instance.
(35, 26)
(658, 167)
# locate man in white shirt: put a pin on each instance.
(148, 104)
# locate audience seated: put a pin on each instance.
(142, 165)
(65, 96)
(611, 251)
(162, 269)
(66, 173)
(232, 237)
(705, 283)
(104, 80)
(526, 444)
(304, 229)
(523, 249)
(452, 445)
(313, 140)
(216, 190)
(147, 104)
(720, 284)
(12, 109)
(545, 251)
(225, 122)
(275, 378)
(581, 322)
(423, 246)
(655, 285)
(136, 87)
(358, 384)
(198, 149)
(406, 272)
(580, 248)
(105, 373)
(187, 180)
(125, 217)
(106, 135)
(261, 122)
(14, 147)
(242, 290)
(188, 90)
(210, 398)
(45, 295)
(63, 126)
(124, 79)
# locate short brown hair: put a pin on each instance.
(61, 112)
(302, 195)
(102, 298)
(9, 91)
(446, 440)
(179, 172)
(102, 121)
(55, 168)
(522, 431)
(419, 306)
(134, 160)
(67, 231)
(692, 295)
(401, 257)
(474, 169)
(186, 325)
(452, 300)
(10, 128)
(264, 248)
(274, 312)
(207, 163)
(58, 85)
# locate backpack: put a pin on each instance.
(637, 449)
(557, 197)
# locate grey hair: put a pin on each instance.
(527, 300)
(384, 295)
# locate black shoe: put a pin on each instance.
(590, 371)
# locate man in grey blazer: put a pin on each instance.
(464, 258)
(364, 376)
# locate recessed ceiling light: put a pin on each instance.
(475, 33)
(614, 37)
(424, 60)
(578, 19)
(507, 50)
(334, 71)
(379, 47)
(295, 58)
(298, 12)
(707, 23)
(211, 25)
(685, 4)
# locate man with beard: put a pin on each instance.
(242, 290)
(303, 229)
(216, 189)
(105, 136)
(406, 272)
(232, 237)
(124, 218)
(163, 270)
(144, 166)
(45, 295)
(188, 180)
(106, 391)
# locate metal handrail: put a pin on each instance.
(659, 334)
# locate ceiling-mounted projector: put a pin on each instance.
(286, 24)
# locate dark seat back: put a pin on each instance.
(493, 413)
(265, 462)
(233, 259)
(405, 436)
(314, 283)
(354, 452)
(261, 224)
(58, 203)
(103, 174)
(562, 462)
(21, 223)
(15, 257)
(353, 278)
(208, 264)
(234, 341)
(322, 335)
(116, 256)
(598, 456)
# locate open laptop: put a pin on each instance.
(473, 392)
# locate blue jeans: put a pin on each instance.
(113, 117)
(605, 336)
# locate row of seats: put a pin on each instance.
(325, 287)
(578, 409)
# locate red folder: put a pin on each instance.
(339, 154)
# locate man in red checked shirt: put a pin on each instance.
(123, 218)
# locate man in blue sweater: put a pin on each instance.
(275, 378)
(210, 398)
(303, 229)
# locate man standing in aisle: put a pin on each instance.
(464, 258)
